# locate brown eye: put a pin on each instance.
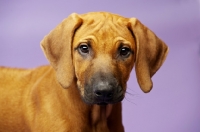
(83, 49)
(125, 52)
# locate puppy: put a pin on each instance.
(91, 57)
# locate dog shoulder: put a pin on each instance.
(13, 75)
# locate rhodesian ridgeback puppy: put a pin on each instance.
(91, 57)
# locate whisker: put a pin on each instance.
(130, 101)
(130, 95)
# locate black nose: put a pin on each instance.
(103, 91)
(103, 94)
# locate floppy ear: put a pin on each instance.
(150, 55)
(57, 48)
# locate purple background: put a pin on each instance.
(174, 103)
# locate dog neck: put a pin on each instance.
(100, 114)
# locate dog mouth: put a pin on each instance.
(102, 103)
(91, 100)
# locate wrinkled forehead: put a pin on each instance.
(104, 27)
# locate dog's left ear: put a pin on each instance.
(151, 52)
(57, 46)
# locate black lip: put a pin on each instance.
(102, 103)
(90, 101)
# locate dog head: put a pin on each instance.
(99, 50)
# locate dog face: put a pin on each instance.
(97, 51)
(103, 57)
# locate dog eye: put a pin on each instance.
(84, 49)
(125, 51)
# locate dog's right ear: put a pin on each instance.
(57, 46)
